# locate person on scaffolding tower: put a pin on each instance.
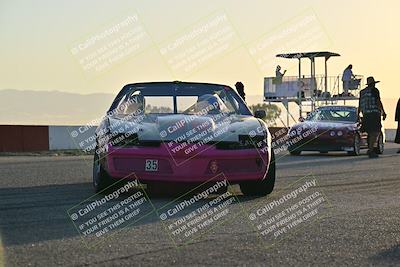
(347, 79)
(279, 75)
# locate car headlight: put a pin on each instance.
(339, 133)
(332, 133)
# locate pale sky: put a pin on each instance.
(37, 38)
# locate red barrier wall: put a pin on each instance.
(17, 138)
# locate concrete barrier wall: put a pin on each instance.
(390, 134)
(71, 137)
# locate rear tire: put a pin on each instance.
(263, 187)
(356, 146)
(101, 179)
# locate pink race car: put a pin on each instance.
(186, 133)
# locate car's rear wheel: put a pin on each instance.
(263, 187)
(101, 179)
(356, 146)
(381, 146)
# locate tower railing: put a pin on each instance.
(319, 88)
(309, 92)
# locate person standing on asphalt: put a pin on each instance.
(240, 89)
(370, 105)
(397, 118)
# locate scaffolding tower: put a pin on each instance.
(309, 90)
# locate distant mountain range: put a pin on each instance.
(28, 107)
(51, 107)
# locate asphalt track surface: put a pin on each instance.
(360, 226)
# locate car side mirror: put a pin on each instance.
(260, 114)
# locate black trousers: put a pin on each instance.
(371, 122)
(397, 139)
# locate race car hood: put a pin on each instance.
(181, 127)
(324, 126)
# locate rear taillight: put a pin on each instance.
(213, 166)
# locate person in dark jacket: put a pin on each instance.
(397, 118)
(240, 89)
(370, 105)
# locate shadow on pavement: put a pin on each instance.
(35, 214)
(388, 256)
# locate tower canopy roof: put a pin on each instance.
(325, 54)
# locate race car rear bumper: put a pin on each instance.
(195, 166)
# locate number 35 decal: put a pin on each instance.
(151, 165)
